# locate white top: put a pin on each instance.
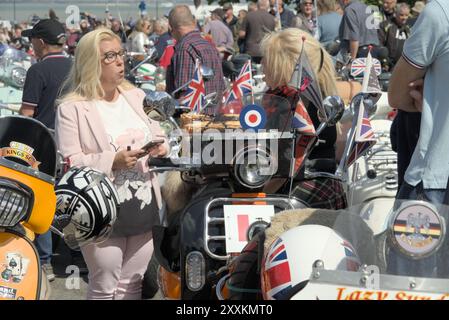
(428, 48)
(124, 127)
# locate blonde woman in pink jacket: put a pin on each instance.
(100, 123)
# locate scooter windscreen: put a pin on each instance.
(27, 143)
(344, 255)
(252, 134)
(256, 112)
(27, 162)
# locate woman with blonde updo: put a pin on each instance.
(281, 51)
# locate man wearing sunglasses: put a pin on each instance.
(305, 19)
(42, 84)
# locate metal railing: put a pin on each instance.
(8, 109)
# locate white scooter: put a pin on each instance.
(13, 68)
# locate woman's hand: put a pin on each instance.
(126, 159)
(158, 151)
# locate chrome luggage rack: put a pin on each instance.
(282, 203)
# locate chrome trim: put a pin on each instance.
(239, 160)
(27, 170)
(10, 107)
(313, 175)
(288, 204)
(164, 169)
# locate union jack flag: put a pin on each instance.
(241, 86)
(358, 67)
(302, 147)
(277, 277)
(302, 121)
(303, 79)
(352, 261)
(364, 135)
(196, 91)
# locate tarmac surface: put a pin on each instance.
(67, 285)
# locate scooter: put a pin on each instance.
(229, 200)
(13, 68)
(28, 165)
(334, 255)
(141, 70)
(373, 193)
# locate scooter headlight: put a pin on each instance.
(14, 202)
(254, 167)
(18, 75)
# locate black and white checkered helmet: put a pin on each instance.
(87, 206)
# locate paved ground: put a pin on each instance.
(68, 286)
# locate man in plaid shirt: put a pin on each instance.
(190, 47)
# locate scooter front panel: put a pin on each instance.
(19, 268)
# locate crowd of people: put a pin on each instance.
(242, 31)
(98, 108)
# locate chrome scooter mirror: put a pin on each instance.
(210, 100)
(334, 108)
(208, 73)
(369, 100)
(159, 105)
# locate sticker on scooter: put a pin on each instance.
(253, 117)
(417, 230)
(15, 268)
(7, 293)
(20, 151)
(238, 221)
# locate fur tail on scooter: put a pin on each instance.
(176, 192)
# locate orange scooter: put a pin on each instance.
(28, 161)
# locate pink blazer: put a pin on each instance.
(81, 136)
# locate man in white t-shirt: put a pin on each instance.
(419, 84)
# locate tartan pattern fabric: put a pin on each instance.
(192, 47)
(323, 193)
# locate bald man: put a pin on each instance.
(190, 47)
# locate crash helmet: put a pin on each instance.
(288, 262)
(87, 206)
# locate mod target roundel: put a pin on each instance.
(253, 117)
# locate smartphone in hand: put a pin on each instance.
(152, 144)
